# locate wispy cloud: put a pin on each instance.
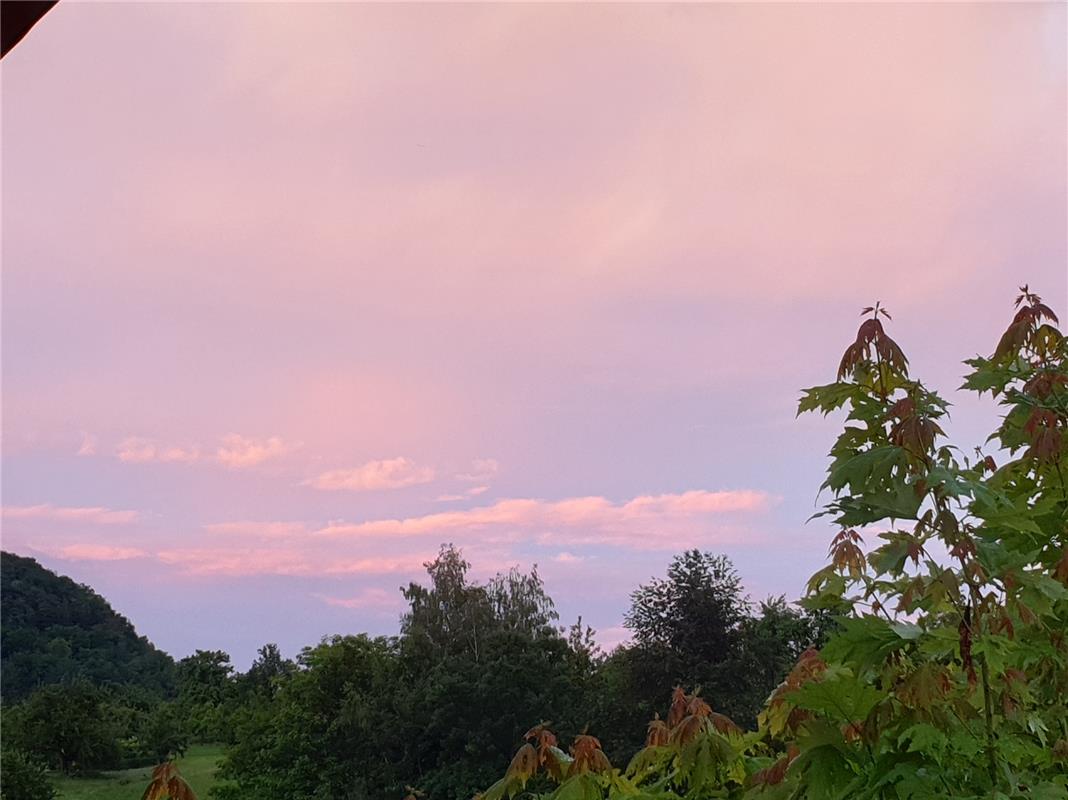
(93, 552)
(481, 471)
(267, 560)
(93, 515)
(474, 491)
(390, 473)
(234, 451)
(88, 445)
(645, 522)
(137, 450)
(240, 452)
(269, 530)
(367, 599)
(238, 561)
(379, 565)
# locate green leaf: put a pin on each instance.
(862, 641)
(907, 631)
(842, 697)
(856, 471)
(826, 398)
(925, 739)
(583, 786)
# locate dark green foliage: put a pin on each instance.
(67, 726)
(772, 641)
(329, 732)
(266, 675)
(23, 777)
(53, 630)
(163, 733)
(696, 628)
(207, 694)
(439, 707)
(688, 629)
(476, 665)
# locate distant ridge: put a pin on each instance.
(54, 630)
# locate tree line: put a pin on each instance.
(439, 706)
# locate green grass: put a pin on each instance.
(197, 767)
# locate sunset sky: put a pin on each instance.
(293, 294)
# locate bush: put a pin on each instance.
(23, 778)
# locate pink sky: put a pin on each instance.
(292, 294)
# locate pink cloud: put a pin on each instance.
(390, 473)
(646, 522)
(234, 451)
(262, 529)
(240, 452)
(94, 552)
(88, 445)
(94, 515)
(238, 561)
(137, 450)
(380, 565)
(568, 558)
(266, 560)
(367, 599)
(482, 470)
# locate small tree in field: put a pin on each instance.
(66, 726)
(948, 673)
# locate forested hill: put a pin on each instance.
(54, 630)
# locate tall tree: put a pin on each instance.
(205, 692)
(688, 629)
(451, 615)
(267, 673)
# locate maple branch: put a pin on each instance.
(988, 712)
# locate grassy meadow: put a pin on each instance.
(198, 767)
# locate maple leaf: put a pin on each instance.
(1060, 750)
(657, 733)
(845, 553)
(1042, 428)
(925, 686)
(1042, 384)
(687, 730)
(774, 774)
(588, 755)
(523, 764)
(698, 707)
(677, 711)
(723, 723)
(1060, 569)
